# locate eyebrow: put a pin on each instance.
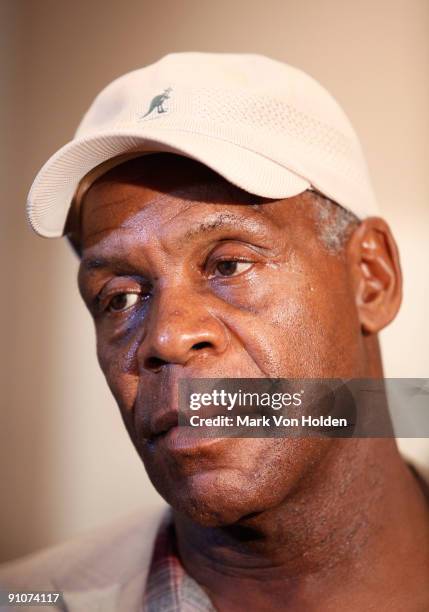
(227, 220)
(95, 263)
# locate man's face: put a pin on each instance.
(188, 277)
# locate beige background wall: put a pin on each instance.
(66, 463)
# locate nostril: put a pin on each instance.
(180, 356)
(154, 363)
(201, 345)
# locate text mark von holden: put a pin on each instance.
(267, 421)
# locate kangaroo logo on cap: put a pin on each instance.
(158, 103)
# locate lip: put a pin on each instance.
(163, 423)
(182, 439)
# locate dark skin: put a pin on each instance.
(188, 276)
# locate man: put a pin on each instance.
(223, 217)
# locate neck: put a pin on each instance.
(341, 528)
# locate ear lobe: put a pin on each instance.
(376, 274)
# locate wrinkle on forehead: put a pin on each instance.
(157, 192)
(181, 228)
(111, 206)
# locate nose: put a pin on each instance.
(180, 328)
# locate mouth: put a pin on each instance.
(165, 433)
(162, 424)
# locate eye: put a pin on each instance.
(231, 267)
(122, 301)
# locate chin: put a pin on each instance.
(217, 498)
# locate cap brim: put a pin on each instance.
(55, 185)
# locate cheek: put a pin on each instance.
(319, 329)
(305, 326)
(118, 363)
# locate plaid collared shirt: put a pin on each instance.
(169, 588)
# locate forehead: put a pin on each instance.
(162, 190)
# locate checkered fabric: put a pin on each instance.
(169, 588)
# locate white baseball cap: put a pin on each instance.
(264, 126)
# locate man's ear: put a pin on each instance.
(376, 274)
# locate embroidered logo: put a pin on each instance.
(158, 103)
